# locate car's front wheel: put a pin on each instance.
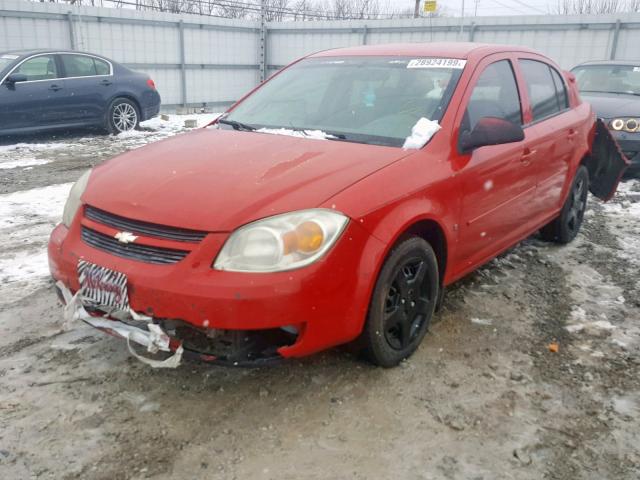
(122, 116)
(566, 226)
(402, 304)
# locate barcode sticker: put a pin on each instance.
(437, 63)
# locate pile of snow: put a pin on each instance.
(421, 133)
(314, 134)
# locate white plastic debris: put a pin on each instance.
(314, 134)
(421, 133)
(481, 321)
(155, 339)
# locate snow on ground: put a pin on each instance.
(26, 220)
(28, 216)
(25, 162)
(601, 314)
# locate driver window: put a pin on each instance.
(42, 67)
(494, 95)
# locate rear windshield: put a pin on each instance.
(373, 100)
(608, 78)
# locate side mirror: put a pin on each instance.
(491, 131)
(15, 78)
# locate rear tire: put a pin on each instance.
(123, 115)
(566, 226)
(402, 303)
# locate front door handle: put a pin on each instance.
(55, 87)
(527, 155)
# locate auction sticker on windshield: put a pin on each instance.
(437, 63)
(103, 287)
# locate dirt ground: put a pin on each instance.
(483, 398)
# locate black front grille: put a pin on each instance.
(143, 228)
(133, 251)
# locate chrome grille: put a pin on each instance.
(133, 251)
(143, 228)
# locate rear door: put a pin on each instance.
(499, 181)
(38, 102)
(90, 82)
(558, 127)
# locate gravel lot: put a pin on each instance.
(483, 398)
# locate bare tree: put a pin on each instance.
(596, 7)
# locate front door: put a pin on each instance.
(37, 102)
(498, 182)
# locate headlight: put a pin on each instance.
(282, 242)
(73, 202)
(630, 125)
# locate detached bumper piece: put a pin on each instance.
(175, 339)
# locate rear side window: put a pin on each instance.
(542, 89)
(494, 95)
(42, 67)
(83, 66)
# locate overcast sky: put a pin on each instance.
(491, 7)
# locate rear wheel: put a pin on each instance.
(123, 115)
(566, 226)
(402, 304)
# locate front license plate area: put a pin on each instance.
(102, 287)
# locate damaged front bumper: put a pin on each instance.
(168, 338)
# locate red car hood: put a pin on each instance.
(217, 180)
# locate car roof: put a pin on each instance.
(461, 50)
(26, 53)
(610, 62)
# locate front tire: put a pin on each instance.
(403, 302)
(123, 115)
(566, 226)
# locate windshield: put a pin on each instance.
(608, 78)
(6, 59)
(373, 100)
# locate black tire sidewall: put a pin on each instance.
(110, 126)
(377, 349)
(565, 235)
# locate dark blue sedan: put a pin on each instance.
(43, 90)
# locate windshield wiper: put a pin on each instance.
(615, 93)
(238, 125)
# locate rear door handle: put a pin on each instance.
(55, 87)
(527, 155)
(106, 83)
(572, 133)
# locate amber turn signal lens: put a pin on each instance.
(306, 238)
(310, 237)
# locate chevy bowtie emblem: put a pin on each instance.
(125, 237)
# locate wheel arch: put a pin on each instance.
(429, 229)
(128, 96)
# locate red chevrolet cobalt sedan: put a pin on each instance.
(333, 203)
